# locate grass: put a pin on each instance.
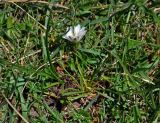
(111, 76)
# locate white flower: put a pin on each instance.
(75, 34)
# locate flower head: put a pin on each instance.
(75, 33)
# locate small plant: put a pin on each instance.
(107, 71)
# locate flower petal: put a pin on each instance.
(75, 34)
(81, 34)
(69, 35)
(76, 30)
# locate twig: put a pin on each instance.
(29, 15)
(22, 58)
(14, 109)
(33, 1)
